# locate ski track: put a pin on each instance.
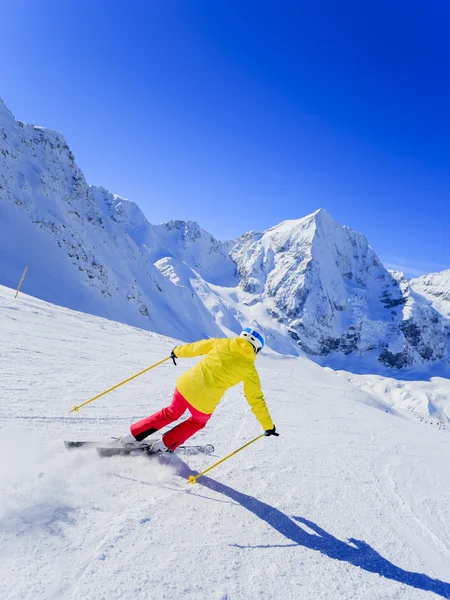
(272, 522)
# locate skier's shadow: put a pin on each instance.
(355, 552)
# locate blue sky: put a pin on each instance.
(242, 114)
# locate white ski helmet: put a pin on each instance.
(255, 338)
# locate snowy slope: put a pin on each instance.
(327, 286)
(349, 502)
(436, 288)
(83, 246)
(199, 250)
(311, 285)
(426, 399)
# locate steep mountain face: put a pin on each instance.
(311, 284)
(198, 249)
(85, 248)
(326, 284)
(435, 288)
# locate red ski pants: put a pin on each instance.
(179, 434)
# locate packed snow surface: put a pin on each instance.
(351, 501)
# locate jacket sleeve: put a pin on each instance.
(194, 349)
(255, 397)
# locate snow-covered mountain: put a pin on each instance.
(435, 287)
(85, 248)
(310, 284)
(326, 284)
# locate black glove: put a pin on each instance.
(173, 357)
(271, 431)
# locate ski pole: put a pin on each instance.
(77, 408)
(193, 478)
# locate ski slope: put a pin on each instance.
(349, 502)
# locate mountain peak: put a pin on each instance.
(318, 218)
(324, 283)
(6, 116)
(187, 228)
(198, 249)
(323, 218)
(321, 213)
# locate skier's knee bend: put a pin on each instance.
(170, 413)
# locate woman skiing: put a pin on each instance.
(199, 390)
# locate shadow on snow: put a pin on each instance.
(354, 552)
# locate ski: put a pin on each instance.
(112, 448)
(73, 444)
(107, 452)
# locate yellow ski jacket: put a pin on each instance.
(227, 363)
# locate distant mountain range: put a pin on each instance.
(311, 285)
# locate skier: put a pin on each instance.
(227, 362)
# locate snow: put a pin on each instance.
(427, 398)
(349, 502)
(436, 288)
(85, 248)
(311, 285)
(325, 289)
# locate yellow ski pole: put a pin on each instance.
(193, 478)
(77, 408)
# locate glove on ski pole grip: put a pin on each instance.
(173, 357)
